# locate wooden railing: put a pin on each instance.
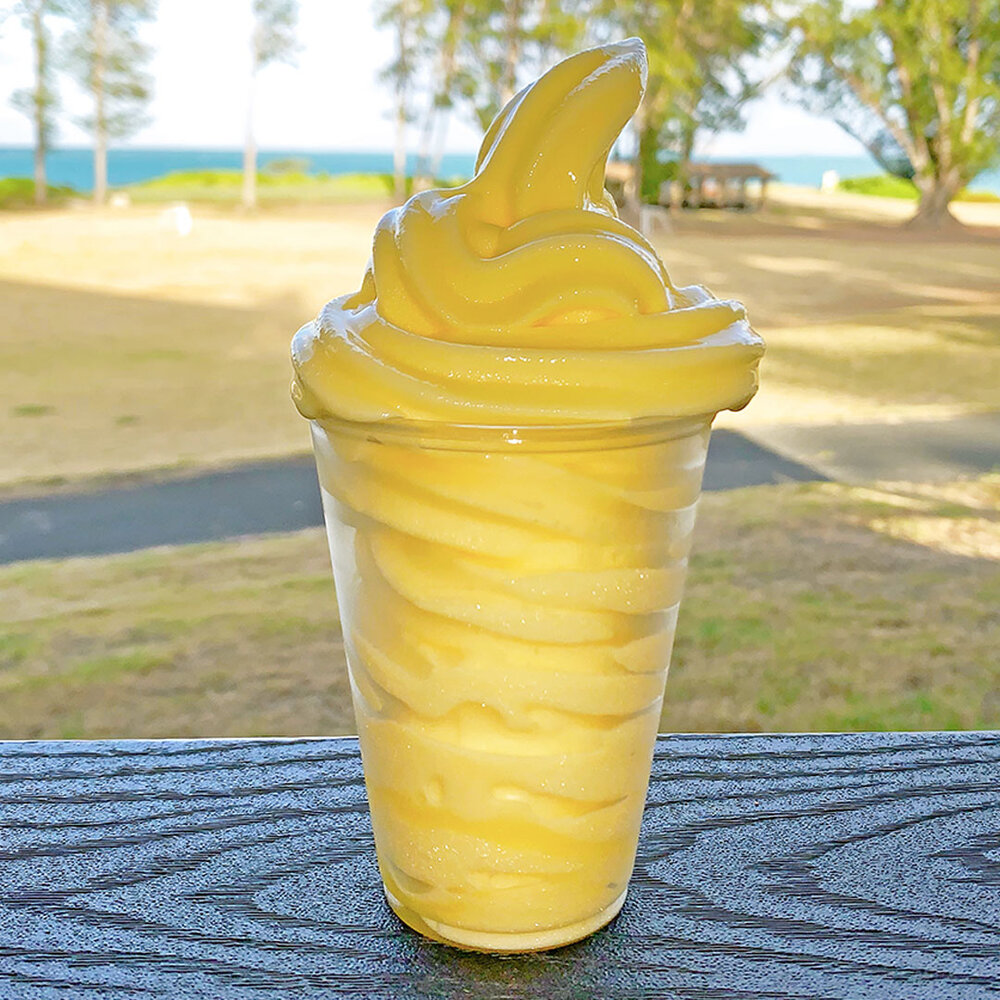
(834, 866)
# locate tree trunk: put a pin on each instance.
(687, 147)
(649, 143)
(512, 50)
(100, 119)
(684, 163)
(631, 211)
(440, 137)
(41, 107)
(422, 175)
(402, 74)
(399, 152)
(933, 212)
(41, 182)
(249, 197)
(436, 124)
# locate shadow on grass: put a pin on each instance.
(824, 618)
(94, 381)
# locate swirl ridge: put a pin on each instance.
(521, 297)
(507, 656)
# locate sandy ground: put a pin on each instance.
(865, 208)
(124, 346)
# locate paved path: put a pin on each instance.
(919, 451)
(282, 495)
(254, 499)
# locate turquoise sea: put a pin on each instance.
(74, 166)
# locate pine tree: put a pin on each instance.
(410, 21)
(109, 59)
(41, 101)
(272, 40)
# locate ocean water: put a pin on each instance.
(808, 170)
(74, 166)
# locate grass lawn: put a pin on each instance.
(809, 607)
(126, 347)
(226, 187)
(888, 186)
(19, 192)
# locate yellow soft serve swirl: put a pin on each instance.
(520, 297)
(508, 600)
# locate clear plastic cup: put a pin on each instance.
(508, 600)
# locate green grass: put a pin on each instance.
(226, 186)
(979, 196)
(19, 192)
(31, 410)
(888, 186)
(97, 670)
(884, 620)
(808, 607)
(273, 186)
(881, 185)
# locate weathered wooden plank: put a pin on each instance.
(772, 866)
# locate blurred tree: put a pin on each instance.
(502, 37)
(477, 52)
(469, 51)
(916, 81)
(700, 74)
(410, 21)
(107, 58)
(443, 35)
(491, 47)
(272, 39)
(39, 102)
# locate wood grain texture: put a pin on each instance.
(770, 867)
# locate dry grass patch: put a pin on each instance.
(862, 323)
(213, 640)
(125, 347)
(809, 607)
(826, 610)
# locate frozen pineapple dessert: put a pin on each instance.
(510, 421)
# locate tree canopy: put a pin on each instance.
(109, 60)
(476, 54)
(916, 81)
(701, 71)
(504, 40)
(274, 31)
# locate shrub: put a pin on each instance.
(19, 192)
(987, 196)
(887, 186)
(287, 165)
(882, 186)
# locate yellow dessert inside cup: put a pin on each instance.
(510, 421)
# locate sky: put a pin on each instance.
(330, 99)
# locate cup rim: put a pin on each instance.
(584, 436)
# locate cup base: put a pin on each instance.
(500, 942)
